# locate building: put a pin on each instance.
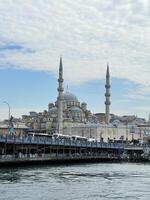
(19, 128)
(74, 113)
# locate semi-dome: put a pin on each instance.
(75, 109)
(53, 110)
(69, 97)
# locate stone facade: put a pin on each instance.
(107, 132)
(74, 113)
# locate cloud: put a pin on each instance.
(139, 92)
(87, 33)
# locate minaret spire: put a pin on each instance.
(107, 95)
(60, 98)
(107, 73)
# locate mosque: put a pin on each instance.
(70, 116)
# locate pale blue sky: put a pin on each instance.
(88, 34)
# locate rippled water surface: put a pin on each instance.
(73, 182)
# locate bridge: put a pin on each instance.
(26, 149)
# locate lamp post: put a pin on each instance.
(8, 109)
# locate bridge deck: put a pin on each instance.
(58, 142)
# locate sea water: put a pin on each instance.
(125, 181)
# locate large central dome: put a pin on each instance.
(69, 97)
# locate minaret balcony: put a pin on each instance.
(107, 86)
(60, 80)
(107, 95)
(107, 103)
(60, 89)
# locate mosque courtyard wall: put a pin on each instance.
(105, 132)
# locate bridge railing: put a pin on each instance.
(65, 142)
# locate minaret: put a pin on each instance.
(149, 119)
(60, 98)
(107, 95)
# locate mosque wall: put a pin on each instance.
(105, 132)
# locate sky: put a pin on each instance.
(88, 34)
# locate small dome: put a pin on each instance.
(69, 97)
(75, 109)
(51, 104)
(83, 103)
(53, 110)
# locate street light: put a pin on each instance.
(8, 109)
